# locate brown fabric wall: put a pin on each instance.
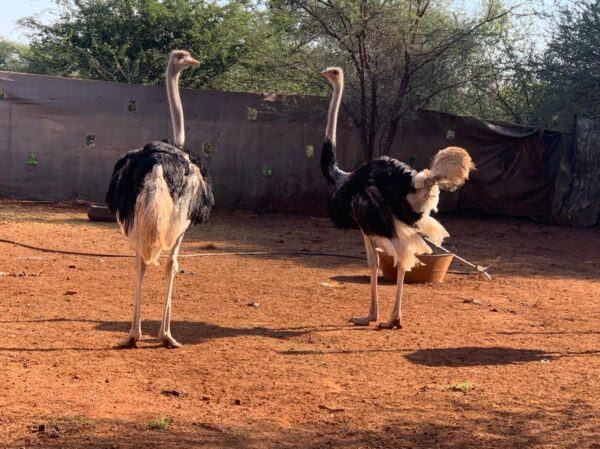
(258, 146)
(516, 166)
(581, 205)
(256, 161)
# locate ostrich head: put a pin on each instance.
(335, 75)
(181, 59)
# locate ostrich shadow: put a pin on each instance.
(361, 279)
(186, 332)
(450, 357)
(475, 356)
(197, 332)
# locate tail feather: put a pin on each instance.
(432, 228)
(404, 247)
(153, 210)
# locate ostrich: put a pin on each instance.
(156, 193)
(389, 202)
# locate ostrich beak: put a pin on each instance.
(323, 73)
(191, 61)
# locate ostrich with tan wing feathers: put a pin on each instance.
(389, 202)
(156, 193)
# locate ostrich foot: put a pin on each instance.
(394, 323)
(363, 320)
(168, 341)
(129, 342)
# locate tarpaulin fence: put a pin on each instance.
(60, 138)
(518, 168)
(581, 205)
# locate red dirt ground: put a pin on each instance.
(292, 373)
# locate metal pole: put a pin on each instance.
(479, 268)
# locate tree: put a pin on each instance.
(127, 40)
(12, 56)
(505, 87)
(569, 69)
(399, 55)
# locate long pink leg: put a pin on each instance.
(395, 320)
(164, 334)
(373, 261)
(136, 324)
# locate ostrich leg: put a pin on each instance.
(395, 320)
(164, 334)
(373, 261)
(136, 324)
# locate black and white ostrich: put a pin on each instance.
(156, 193)
(389, 202)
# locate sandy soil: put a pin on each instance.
(512, 363)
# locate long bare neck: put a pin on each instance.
(175, 106)
(334, 109)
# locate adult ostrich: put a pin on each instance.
(156, 193)
(389, 202)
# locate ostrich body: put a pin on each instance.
(389, 202)
(156, 193)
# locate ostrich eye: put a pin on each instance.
(335, 72)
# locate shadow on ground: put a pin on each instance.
(475, 356)
(361, 280)
(196, 332)
(487, 427)
(448, 357)
(186, 332)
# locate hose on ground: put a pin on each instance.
(224, 253)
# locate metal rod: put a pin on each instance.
(478, 268)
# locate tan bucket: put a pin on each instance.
(434, 271)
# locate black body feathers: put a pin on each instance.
(372, 195)
(130, 171)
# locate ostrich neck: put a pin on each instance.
(175, 107)
(332, 116)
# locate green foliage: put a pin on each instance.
(502, 85)
(531, 84)
(128, 40)
(12, 56)
(161, 424)
(569, 70)
(32, 160)
(463, 387)
(398, 55)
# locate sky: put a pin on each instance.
(13, 10)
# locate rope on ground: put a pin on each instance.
(224, 253)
